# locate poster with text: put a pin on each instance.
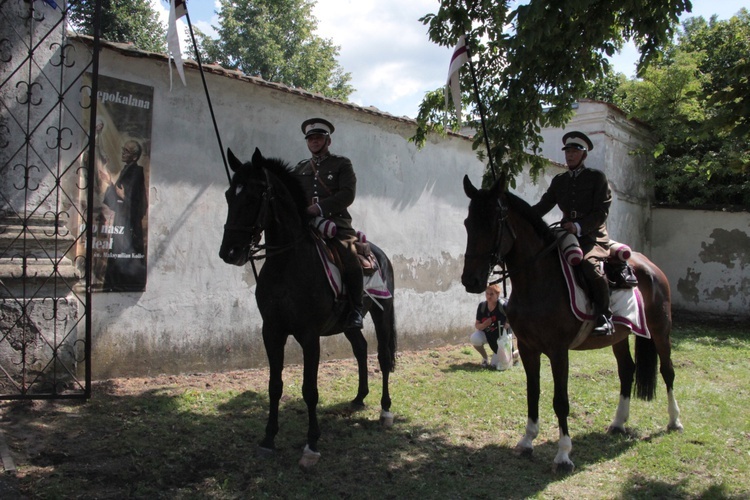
(120, 204)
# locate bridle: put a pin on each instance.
(268, 197)
(501, 230)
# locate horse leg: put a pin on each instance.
(626, 370)
(359, 348)
(531, 365)
(664, 349)
(274, 345)
(385, 329)
(311, 356)
(560, 367)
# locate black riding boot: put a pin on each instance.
(353, 281)
(599, 291)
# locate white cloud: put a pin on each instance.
(387, 51)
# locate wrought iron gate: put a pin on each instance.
(46, 161)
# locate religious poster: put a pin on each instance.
(121, 178)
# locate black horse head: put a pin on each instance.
(487, 236)
(496, 222)
(248, 199)
(262, 195)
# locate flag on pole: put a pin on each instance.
(459, 58)
(177, 9)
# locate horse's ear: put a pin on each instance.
(257, 157)
(469, 188)
(234, 163)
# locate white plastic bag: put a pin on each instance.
(504, 351)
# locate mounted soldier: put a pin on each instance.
(330, 185)
(584, 197)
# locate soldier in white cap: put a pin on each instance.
(583, 195)
(330, 185)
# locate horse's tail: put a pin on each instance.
(645, 368)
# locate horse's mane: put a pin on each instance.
(540, 227)
(281, 170)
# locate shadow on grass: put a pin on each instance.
(157, 444)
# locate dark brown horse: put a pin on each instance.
(293, 294)
(502, 228)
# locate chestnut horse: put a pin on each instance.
(293, 294)
(502, 228)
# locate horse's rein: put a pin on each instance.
(259, 226)
(496, 258)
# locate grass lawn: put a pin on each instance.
(195, 436)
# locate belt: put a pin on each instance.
(573, 214)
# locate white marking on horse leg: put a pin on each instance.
(621, 416)
(526, 444)
(309, 458)
(386, 419)
(674, 413)
(562, 459)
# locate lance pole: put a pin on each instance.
(208, 97)
(480, 106)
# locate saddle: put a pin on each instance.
(366, 257)
(326, 231)
(619, 273)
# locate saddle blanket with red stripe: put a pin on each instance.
(626, 304)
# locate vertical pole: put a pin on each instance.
(208, 97)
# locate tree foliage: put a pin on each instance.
(276, 40)
(534, 61)
(697, 101)
(123, 21)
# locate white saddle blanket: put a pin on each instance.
(626, 304)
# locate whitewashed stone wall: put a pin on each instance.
(199, 314)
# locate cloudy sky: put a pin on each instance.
(385, 47)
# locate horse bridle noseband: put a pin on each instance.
(498, 228)
(495, 258)
(257, 228)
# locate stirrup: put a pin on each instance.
(604, 327)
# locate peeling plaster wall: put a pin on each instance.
(199, 314)
(706, 256)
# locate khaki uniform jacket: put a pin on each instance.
(585, 199)
(333, 188)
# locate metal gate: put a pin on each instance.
(46, 161)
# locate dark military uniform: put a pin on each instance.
(330, 183)
(584, 197)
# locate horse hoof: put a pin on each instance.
(357, 404)
(676, 427)
(309, 458)
(563, 468)
(615, 430)
(265, 452)
(386, 419)
(523, 451)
